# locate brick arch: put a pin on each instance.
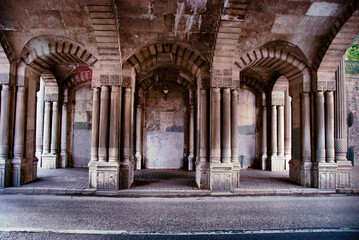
(42, 52)
(254, 85)
(281, 61)
(168, 53)
(341, 35)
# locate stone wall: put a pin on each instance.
(165, 127)
(353, 106)
(81, 125)
(247, 121)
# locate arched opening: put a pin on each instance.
(278, 80)
(51, 69)
(166, 109)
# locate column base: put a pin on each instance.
(343, 174)
(107, 176)
(277, 163)
(325, 175)
(5, 171)
(287, 160)
(264, 161)
(138, 158)
(236, 174)
(92, 174)
(126, 176)
(190, 161)
(39, 158)
(202, 175)
(64, 159)
(294, 171)
(49, 160)
(18, 171)
(221, 177)
(305, 178)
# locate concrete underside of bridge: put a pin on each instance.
(202, 85)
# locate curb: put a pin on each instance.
(174, 193)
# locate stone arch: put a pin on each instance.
(167, 53)
(344, 30)
(281, 61)
(42, 52)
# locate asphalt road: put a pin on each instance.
(64, 217)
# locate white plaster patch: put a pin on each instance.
(164, 150)
(324, 9)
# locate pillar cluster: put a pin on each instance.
(223, 140)
(277, 138)
(111, 162)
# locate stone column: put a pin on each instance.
(305, 129)
(280, 131)
(264, 135)
(234, 141)
(191, 139)
(47, 128)
(40, 122)
(274, 148)
(63, 148)
(4, 136)
(305, 177)
(126, 125)
(204, 127)
(19, 140)
(95, 123)
(202, 171)
(103, 133)
(54, 128)
(138, 137)
(320, 152)
(126, 163)
(288, 129)
(324, 173)
(329, 127)
(226, 126)
(215, 154)
(341, 128)
(234, 136)
(113, 145)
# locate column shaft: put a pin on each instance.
(329, 127)
(103, 133)
(226, 126)
(54, 126)
(274, 131)
(19, 141)
(215, 154)
(204, 127)
(113, 145)
(264, 138)
(305, 129)
(340, 115)
(5, 122)
(47, 128)
(191, 139)
(64, 135)
(95, 123)
(138, 137)
(234, 136)
(280, 130)
(40, 121)
(320, 128)
(126, 126)
(288, 126)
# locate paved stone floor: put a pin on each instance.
(171, 180)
